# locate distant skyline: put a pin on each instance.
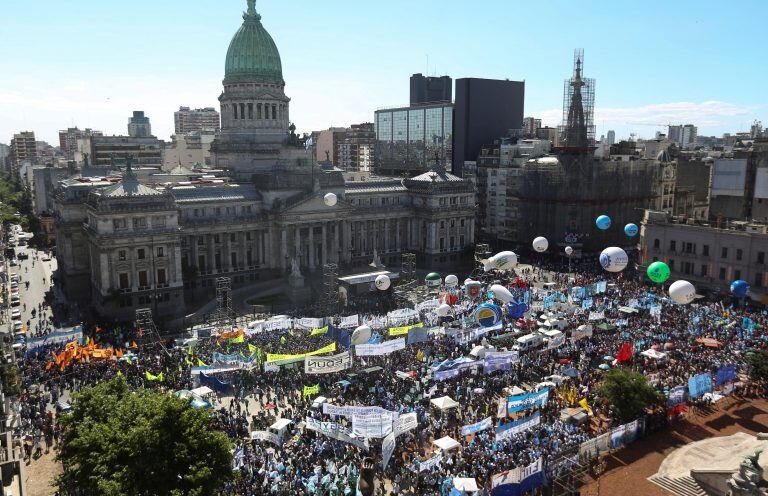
(91, 63)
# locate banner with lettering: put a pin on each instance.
(504, 432)
(700, 384)
(350, 411)
(380, 349)
(527, 401)
(399, 331)
(274, 357)
(334, 431)
(328, 364)
(371, 425)
(470, 429)
(406, 422)
(518, 481)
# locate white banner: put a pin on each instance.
(334, 431)
(350, 321)
(515, 475)
(428, 305)
(431, 463)
(556, 342)
(405, 423)
(327, 365)
(372, 425)
(596, 316)
(584, 332)
(505, 432)
(470, 429)
(380, 349)
(351, 411)
(277, 325)
(308, 323)
(401, 316)
(387, 448)
(267, 436)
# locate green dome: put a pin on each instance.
(252, 54)
(433, 276)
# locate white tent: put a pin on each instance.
(202, 391)
(446, 443)
(444, 403)
(468, 485)
(280, 424)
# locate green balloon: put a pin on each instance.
(658, 272)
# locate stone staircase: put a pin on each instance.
(681, 486)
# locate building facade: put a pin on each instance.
(328, 143)
(357, 149)
(103, 151)
(431, 89)
(23, 149)
(710, 257)
(485, 109)
(128, 245)
(188, 150)
(188, 120)
(139, 125)
(410, 140)
(68, 140)
(684, 136)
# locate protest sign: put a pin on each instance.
(405, 423)
(327, 365)
(380, 349)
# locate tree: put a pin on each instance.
(117, 441)
(629, 393)
(758, 365)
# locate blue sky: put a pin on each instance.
(90, 63)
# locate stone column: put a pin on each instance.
(312, 247)
(211, 254)
(398, 243)
(324, 244)
(226, 254)
(177, 278)
(385, 248)
(296, 244)
(192, 240)
(471, 239)
(337, 242)
(347, 242)
(283, 249)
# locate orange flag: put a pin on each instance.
(134, 345)
(119, 353)
(98, 329)
(141, 333)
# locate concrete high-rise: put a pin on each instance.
(23, 149)
(485, 109)
(68, 139)
(611, 137)
(430, 89)
(327, 144)
(139, 126)
(187, 120)
(683, 135)
(356, 150)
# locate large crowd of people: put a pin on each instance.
(306, 461)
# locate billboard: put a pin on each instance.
(729, 177)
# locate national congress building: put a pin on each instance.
(132, 243)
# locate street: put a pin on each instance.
(37, 273)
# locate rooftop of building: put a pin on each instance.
(742, 226)
(223, 192)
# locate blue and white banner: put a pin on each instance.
(726, 373)
(527, 401)
(455, 370)
(59, 336)
(518, 481)
(385, 348)
(504, 432)
(499, 360)
(700, 384)
(470, 429)
(676, 396)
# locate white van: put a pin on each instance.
(529, 342)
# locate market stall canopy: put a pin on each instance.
(446, 443)
(468, 485)
(444, 403)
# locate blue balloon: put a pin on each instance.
(739, 288)
(603, 222)
(631, 230)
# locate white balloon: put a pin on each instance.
(361, 335)
(444, 310)
(467, 281)
(568, 251)
(330, 199)
(506, 260)
(540, 244)
(451, 281)
(614, 259)
(501, 293)
(383, 282)
(682, 292)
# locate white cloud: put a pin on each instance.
(711, 113)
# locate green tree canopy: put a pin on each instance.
(140, 443)
(629, 393)
(758, 365)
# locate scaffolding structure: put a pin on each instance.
(149, 331)
(571, 474)
(577, 133)
(223, 314)
(329, 301)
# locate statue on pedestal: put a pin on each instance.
(746, 482)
